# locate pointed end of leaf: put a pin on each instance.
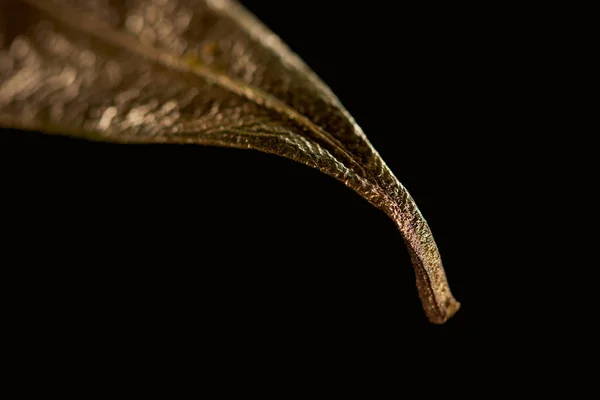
(437, 299)
(441, 315)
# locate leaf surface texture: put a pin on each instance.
(201, 72)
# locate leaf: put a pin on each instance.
(204, 72)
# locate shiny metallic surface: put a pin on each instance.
(191, 71)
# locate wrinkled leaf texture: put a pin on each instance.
(192, 71)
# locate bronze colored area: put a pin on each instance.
(204, 72)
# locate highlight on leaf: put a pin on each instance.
(195, 71)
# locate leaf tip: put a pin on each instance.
(442, 314)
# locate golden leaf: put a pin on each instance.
(204, 72)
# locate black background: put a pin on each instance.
(190, 248)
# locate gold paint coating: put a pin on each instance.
(191, 71)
